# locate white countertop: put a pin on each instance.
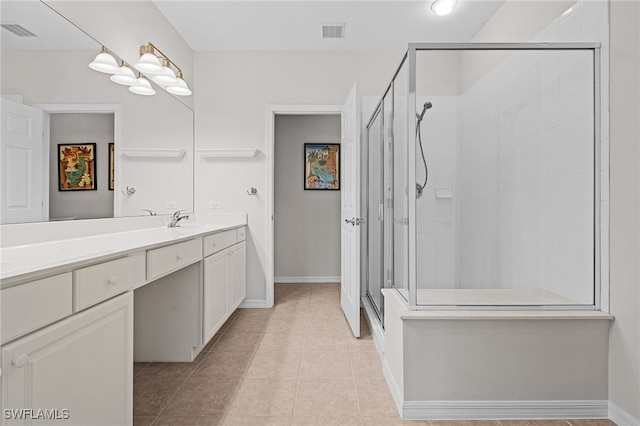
(24, 261)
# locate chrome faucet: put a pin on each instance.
(176, 218)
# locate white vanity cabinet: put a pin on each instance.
(224, 278)
(78, 371)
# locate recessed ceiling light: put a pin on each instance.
(443, 7)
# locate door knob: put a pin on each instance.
(351, 221)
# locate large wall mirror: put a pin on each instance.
(49, 72)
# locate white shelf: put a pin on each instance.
(153, 153)
(229, 153)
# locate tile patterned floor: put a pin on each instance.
(294, 364)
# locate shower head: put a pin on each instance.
(427, 105)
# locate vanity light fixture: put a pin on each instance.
(167, 78)
(443, 7)
(125, 76)
(105, 62)
(142, 87)
(163, 72)
(180, 89)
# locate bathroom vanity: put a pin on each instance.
(77, 312)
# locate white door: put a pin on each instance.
(24, 169)
(350, 210)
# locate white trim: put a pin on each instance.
(453, 410)
(393, 386)
(117, 133)
(621, 417)
(254, 303)
(292, 280)
(272, 111)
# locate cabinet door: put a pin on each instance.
(78, 371)
(216, 279)
(237, 275)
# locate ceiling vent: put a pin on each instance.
(333, 30)
(18, 30)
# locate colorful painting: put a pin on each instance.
(77, 167)
(321, 166)
(112, 167)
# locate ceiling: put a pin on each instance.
(297, 25)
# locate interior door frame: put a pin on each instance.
(114, 109)
(272, 111)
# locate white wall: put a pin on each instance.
(307, 223)
(233, 91)
(624, 340)
(81, 129)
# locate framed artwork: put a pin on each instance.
(77, 167)
(322, 166)
(112, 167)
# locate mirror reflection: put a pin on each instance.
(46, 82)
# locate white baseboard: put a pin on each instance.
(454, 410)
(393, 387)
(621, 417)
(292, 280)
(253, 303)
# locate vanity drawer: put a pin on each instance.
(29, 306)
(163, 260)
(241, 234)
(220, 241)
(96, 283)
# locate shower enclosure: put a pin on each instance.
(481, 173)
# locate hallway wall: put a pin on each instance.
(307, 223)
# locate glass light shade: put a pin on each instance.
(105, 62)
(149, 64)
(142, 87)
(167, 78)
(125, 76)
(181, 89)
(443, 7)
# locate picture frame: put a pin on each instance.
(77, 167)
(322, 166)
(112, 167)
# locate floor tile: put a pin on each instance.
(169, 370)
(212, 420)
(465, 423)
(366, 364)
(254, 421)
(143, 421)
(392, 421)
(248, 324)
(591, 422)
(326, 421)
(327, 322)
(151, 394)
(326, 364)
(325, 398)
(203, 397)
(286, 323)
(238, 341)
(275, 364)
(264, 397)
(374, 398)
(138, 366)
(545, 422)
(282, 342)
(362, 343)
(223, 364)
(328, 340)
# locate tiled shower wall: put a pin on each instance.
(516, 150)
